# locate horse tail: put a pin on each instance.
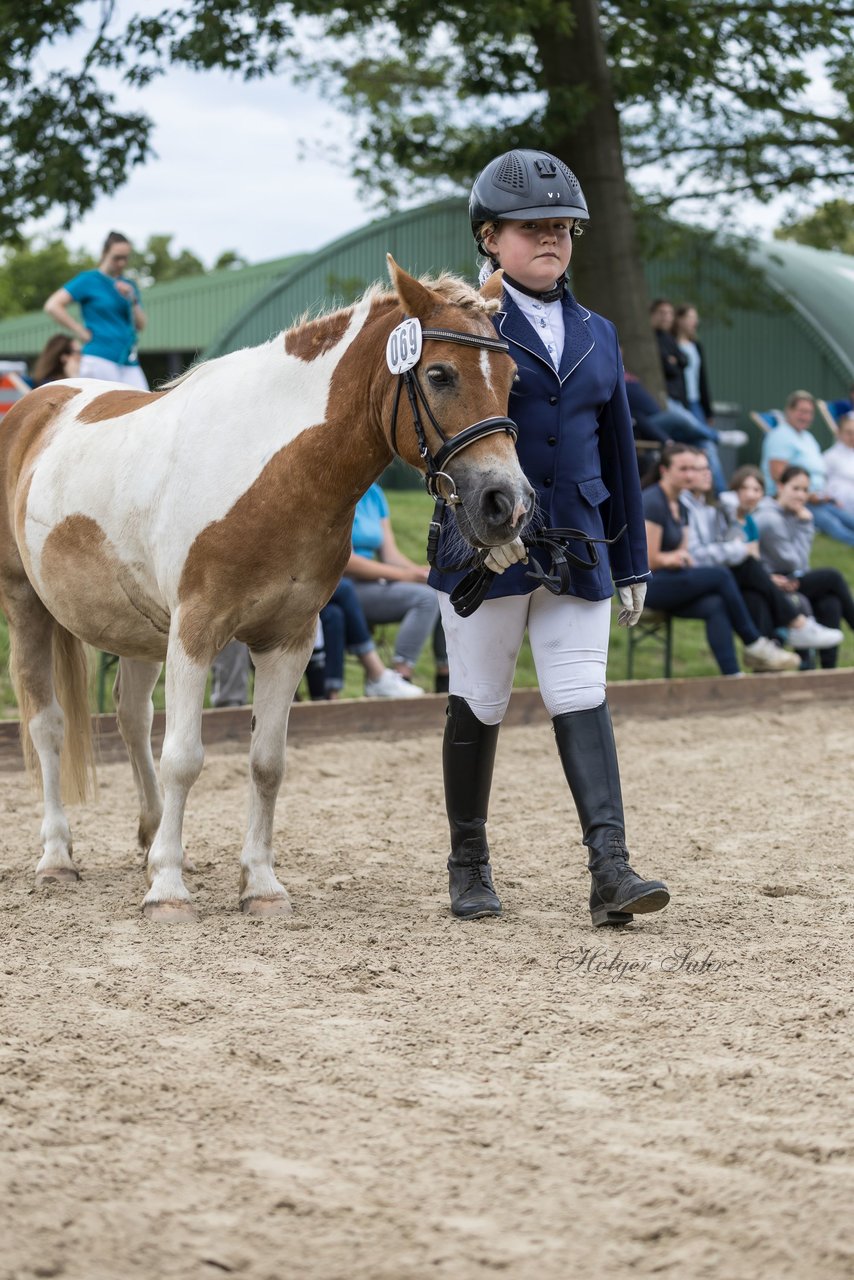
(71, 681)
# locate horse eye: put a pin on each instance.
(438, 375)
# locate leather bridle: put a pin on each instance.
(471, 591)
(434, 462)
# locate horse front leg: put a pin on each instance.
(180, 765)
(277, 675)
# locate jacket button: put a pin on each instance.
(547, 482)
(552, 440)
(552, 399)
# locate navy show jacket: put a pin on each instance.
(576, 447)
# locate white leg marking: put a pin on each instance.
(277, 675)
(180, 764)
(134, 714)
(46, 731)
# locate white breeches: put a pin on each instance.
(108, 371)
(569, 642)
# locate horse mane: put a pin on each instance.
(452, 289)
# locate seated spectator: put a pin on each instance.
(60, 358)
(718, 537)
(708, 592)
(390, 586)
(345, 629)
(792, 444)
(786, 532)
(230, 676)
(839, 464)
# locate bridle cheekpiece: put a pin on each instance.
(403, 352)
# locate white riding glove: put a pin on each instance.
(504, 557)
(631, 598)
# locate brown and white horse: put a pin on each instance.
(159, 525)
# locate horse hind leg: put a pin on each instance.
(132, 692)
(31, 634)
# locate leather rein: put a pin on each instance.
(470, 592)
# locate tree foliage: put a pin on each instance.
(156, 263)
(714, 91)
(830, 226)
(32, 270)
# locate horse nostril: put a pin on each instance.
(496, 507)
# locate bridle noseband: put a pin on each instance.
(451, 445)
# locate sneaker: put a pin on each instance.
(765, 655)
(812, 635)
(392, 685)
(734, 438)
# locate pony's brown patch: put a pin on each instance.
(96, 594)
(314, 338)
(114, 404)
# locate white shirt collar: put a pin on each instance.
(545, 318)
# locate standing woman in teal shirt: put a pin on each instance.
(112, 316)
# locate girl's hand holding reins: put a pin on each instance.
(504, 557)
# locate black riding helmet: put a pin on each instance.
(524, 184)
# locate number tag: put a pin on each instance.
(403, 349)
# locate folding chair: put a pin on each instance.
(828, 418)
(765, 420)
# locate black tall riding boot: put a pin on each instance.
(588, 753)
(468, 754)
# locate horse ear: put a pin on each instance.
(492, 286)
(415, 298)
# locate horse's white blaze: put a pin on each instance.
(486, 369)
(219, 428)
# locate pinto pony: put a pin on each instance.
(159, 525)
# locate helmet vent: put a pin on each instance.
(570, 178)
(512, 173)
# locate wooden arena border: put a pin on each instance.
(229, 728)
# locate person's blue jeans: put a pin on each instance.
(835, 522)
(344, 628)
(711, 594)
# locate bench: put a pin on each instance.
(656, 627)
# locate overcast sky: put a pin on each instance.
(228, 172)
